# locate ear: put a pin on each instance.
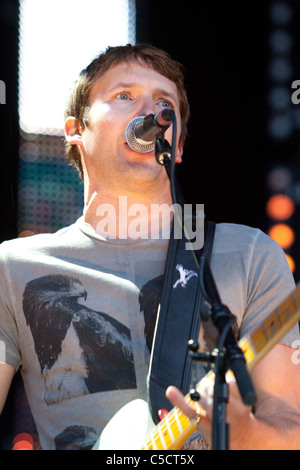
(72, 131)
(178, 158)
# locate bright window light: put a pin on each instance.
(58, 38)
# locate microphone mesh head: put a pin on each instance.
(139, 145)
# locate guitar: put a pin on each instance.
(175, 428)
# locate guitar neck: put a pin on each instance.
(258, 343)
(172, 431)
(175, 428)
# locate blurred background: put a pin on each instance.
(242, 155)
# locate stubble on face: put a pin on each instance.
(110, 163)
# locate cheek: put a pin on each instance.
(99, 111)
(100, 141)
(104, 122)
(92, 146)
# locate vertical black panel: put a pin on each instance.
(16, 416)
(9, 117)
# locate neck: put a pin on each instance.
(133, 215)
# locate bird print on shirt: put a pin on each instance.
(80, 350)
(99, 356)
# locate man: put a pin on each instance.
(78, 307)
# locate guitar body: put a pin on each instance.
(128, 428)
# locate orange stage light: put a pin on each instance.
(23, 441)
(283, 235)
(23, 445)
(280, 207)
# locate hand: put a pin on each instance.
(239, 416)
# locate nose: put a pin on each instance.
(147, 106)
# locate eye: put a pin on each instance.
(124, 96)
(166, 104)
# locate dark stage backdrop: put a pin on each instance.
(224, 47)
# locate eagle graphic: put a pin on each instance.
(185, 276)
(79, 350)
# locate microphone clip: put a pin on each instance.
(163, 151)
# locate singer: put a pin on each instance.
(78, 309)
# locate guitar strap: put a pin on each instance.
(178, 321)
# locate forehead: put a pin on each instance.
(133, 75)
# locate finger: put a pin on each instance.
(193, 410)
(190, 408)
(179, 400)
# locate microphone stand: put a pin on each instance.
(228, 355)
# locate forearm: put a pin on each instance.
(280, 431)
(6, 375)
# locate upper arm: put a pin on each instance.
(277, 382)
(7, 373)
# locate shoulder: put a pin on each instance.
(39, 243)
(248, 253)
(252, 273)
(237, 237)
(238, 232)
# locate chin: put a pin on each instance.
(145, 173)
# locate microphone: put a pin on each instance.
(141, 133)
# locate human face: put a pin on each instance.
(121, 94)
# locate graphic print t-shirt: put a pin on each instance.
(82, 335)
(78, 314)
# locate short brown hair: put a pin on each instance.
(145, 54)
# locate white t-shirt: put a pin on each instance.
(78, 313)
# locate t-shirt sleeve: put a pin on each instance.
(9, 349)
(270, 281)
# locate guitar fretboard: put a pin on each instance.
(176, 428)
(172, 431)
(258, 343)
